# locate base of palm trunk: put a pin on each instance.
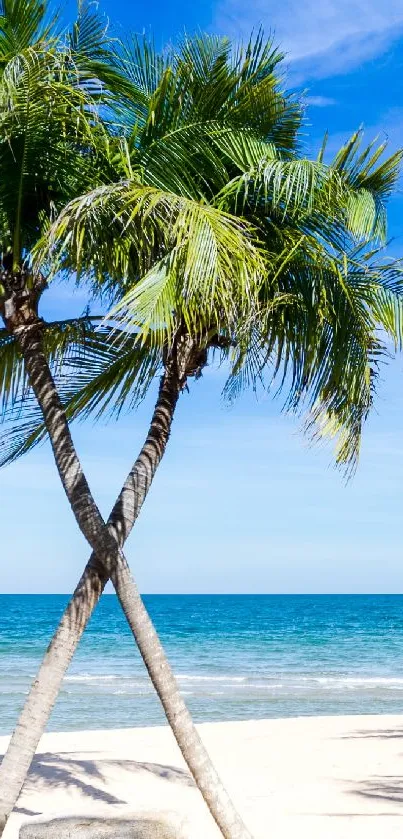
(93, 828)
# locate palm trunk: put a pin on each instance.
(46, 687)
(71, 474)
(178, 716)
(106, 543)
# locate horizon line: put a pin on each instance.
(217, 594)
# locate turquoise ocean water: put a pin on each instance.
(236, 657)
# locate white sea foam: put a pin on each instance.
(86, 677)
(292, 681)
(183, 677)
(358, 681)
(263, 685)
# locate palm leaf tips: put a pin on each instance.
(174, 182)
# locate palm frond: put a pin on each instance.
(88, 36)
(61, 339)
(23, 24)
(95, 377)
(22, 423)
(186, 202)
(209, 261)
(370, 184)
(45, 123)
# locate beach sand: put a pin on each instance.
(317, 777)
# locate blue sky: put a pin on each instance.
(242, 503)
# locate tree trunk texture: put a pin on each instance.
(191, 746)
(108, 561)
(45, 689)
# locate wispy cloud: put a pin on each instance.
(320, 101)
(320, 39)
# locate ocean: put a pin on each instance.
(236, 657)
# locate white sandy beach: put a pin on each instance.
(315, 777)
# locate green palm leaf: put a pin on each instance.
(23, 23)
(188, 205)
(94, 376)
(208, 258)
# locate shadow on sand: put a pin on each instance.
(378, 734)
(382, 788)
(92, 828)
(378, 788)
(59, 771)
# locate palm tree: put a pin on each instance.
(48, 155)
(237, 251)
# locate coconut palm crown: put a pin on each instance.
(205, 221)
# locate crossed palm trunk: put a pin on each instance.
(107, 561)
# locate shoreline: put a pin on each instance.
(121, 730)
(338, 777)
(5, 737)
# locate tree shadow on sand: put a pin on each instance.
(93, 828)
(89, 777)
(377, 734)
(383, 788)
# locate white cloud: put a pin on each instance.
(320, 101)
(320, 38)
